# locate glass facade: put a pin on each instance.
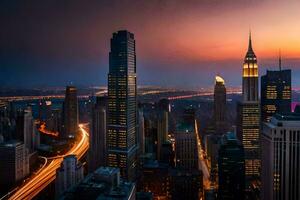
(122, 104)
(248, 120)
(275, 93)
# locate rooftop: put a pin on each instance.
(185, 127)
(219, 79)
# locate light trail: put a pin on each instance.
(26, 98)
(201, 161)
(43, 130)
(48, 174)
(188, 96)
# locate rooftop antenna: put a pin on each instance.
(279, 59)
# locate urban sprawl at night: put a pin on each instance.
(233, 133)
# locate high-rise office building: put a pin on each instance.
(68, 175)
(220, 105)
(250, 75)
(70, 113)
(186, 149)
(44, 109)
(6, 121)
(97, 150)
(162, 124)
(248, 116)
(275, 93)
(248, 119)
(231, 168)
(25, 129)
(281, 158)
(141, 130)
(122, 105)
(54, 122)
(14, 162)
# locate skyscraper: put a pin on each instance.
(162, 124)
(275, 93)
(186, 148)
(14, 162)
(141, 130)
(248, 116)
(70, 113)
(220, 105)
(97, 150)
(122, 104)
(281, 158)
(231, 168)
(68, 175)
(25, 129)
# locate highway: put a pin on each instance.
(47, 174)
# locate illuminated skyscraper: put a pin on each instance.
(248, 116)
(122, 104)
(275, 93)
(220, 105)
(70, 113)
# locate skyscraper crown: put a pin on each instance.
(250, 53)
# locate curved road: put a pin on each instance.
(48, 173)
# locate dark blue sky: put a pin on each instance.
(179, 43)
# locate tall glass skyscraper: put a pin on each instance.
(122, 105)
(248, 116)
(275, 93)
(70, 113)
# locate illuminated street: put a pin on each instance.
(201, 160)
(45, 176)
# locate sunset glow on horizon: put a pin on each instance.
(180, 38)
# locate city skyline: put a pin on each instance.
(73, 38)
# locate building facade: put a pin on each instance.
(68, 175)
(122, 105)
(25, 129)
(103, 184)
(231, 168)
(98, 150)
(14, 162)
(276, 93)
(220, 105)
(186, 148)
(248, 116)
(162, 125)
(70, 113)
(281, 158)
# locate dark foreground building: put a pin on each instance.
(231, 169)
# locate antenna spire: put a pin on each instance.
(250, 41)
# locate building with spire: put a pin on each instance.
(122, 105)
(220, 105)
(275, 92)
(248, 116)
